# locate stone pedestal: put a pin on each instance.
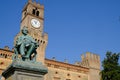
(25, 70)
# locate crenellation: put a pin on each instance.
(6, 48)
(90, 59)
(88, 55)
(82, 57)
(30, 1)
(77, 63)
(85, 59)
(38, 4)
(93, 61)
(53, 58)
(96, 58)
(45, 36)
(92, 56)
(65, 61)
(34, 2)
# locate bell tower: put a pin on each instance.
(33, 19)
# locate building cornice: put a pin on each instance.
(70, 67)
(56, 64)
(7, 50)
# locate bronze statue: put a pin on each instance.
(26, 46)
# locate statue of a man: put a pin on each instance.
(25, 45)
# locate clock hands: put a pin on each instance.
(35, 23)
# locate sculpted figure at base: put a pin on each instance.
(26, 46)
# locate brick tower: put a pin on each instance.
(92, 61)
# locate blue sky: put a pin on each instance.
(74, 26)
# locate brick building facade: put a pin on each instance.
(33, 18)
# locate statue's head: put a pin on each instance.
(25, 30)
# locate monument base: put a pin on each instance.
(25, 70)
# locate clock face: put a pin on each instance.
(35, 23)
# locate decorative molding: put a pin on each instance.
(66, 66)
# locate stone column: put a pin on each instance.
(25, 70)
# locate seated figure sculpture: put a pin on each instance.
(26, 46)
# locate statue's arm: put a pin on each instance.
(33, 41)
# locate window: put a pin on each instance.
(43, 42)
(48, 65)
(56, 72)
(6, 56)
(25, 13)
(35, 39)
(37, 13)
(33, 12)
(1, 63)
(79, 76)
(68, 74)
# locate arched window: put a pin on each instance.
(33, 12)
(6, 56)
(37, 13)
(25, 13)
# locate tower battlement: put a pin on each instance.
(91, 60)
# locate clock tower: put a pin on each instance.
(33, 19)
